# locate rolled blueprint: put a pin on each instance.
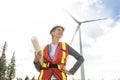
(37, 48)
(35, 44)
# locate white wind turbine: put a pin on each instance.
(78, 27)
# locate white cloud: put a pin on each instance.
(105, 54)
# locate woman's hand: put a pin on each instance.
(65, 70)
(37, 56)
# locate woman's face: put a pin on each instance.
(57, 33)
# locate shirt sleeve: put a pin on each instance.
(37, 66)
(78, 57)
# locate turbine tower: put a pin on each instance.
(80, 40)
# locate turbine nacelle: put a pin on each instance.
(79, 23)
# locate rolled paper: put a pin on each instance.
(35, 44)
(37, 48)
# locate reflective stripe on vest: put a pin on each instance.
(41, 74)
(63, 59)
(63, 76)
(63, 53)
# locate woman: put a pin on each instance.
(55, 55)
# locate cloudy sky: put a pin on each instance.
(22, 19)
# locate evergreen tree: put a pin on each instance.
(3, 66)
(33, 78)
(27, 78)
(11, 68)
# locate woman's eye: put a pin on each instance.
(59, 30)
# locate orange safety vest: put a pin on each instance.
(60, 57)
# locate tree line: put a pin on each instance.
(8, 70)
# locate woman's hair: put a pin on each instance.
(55, 28)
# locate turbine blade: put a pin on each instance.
(93, 20)
(72, 17)
(75, 33)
